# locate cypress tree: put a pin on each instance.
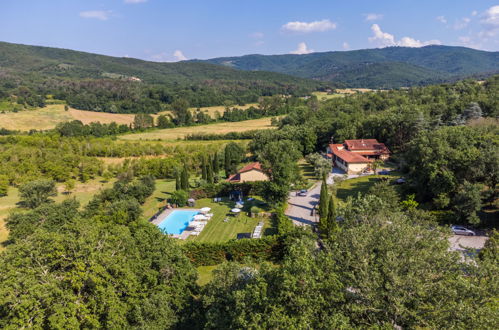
(227, 162)
(203, 169)
(332, 224)
(323, 200)
(185, 178)
(216, 164)
(178, 184)
(209, 174)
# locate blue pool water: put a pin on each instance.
(176, 222)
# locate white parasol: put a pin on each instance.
(205, 209)
(235, 210)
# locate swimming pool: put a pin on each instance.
(176, 222)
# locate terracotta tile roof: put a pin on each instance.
(234, 178)
(348, 156)
(252, 166)
(370, 145)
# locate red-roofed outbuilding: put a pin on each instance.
(250, 172)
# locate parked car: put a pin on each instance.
(400, 181)
(384, 172)
(460, 230)
(302, 192)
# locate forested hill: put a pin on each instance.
(389, 67)
(96, 82)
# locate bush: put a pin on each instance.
(179, 197)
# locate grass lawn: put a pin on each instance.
(308, 174)
(219, 231)
(217, 128)
(205, 274)
(352, 187)
(157, 200)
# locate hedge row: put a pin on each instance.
(224, 189)
(208, 254)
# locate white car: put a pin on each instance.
(460, 230)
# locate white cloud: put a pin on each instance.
(179, 56)
(97, 14)
(346, 46)
(380, 37)
(373, 17)
(304, 27)
(490, 23)
(302, 49)
(474, 13)
(135, 1)
(385, 39)
(442, 19)
(257, 35)
(462, 23)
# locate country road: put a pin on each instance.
(300, 207)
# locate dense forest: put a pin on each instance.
(390, 67)
(377, 260)
(122, 85)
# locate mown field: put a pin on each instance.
(211, 111)
(51, 115)
(218, 128)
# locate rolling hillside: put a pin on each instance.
(126, 85)
(389, 67)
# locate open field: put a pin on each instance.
(325, 96)
(219, 128)
(87, 117)
(211, 111)
(51, 115)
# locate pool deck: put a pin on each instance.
(162, 216)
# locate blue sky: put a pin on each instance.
(167, 30)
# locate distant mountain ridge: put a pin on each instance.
(389, 67)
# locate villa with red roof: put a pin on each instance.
(250, 172)
(356, 156)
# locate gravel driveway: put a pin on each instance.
(300, 207)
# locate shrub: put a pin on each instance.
(179, 197)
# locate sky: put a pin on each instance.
(168, 30)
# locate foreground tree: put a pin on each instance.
(36, 193)
(94, 276)
(279, 161)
